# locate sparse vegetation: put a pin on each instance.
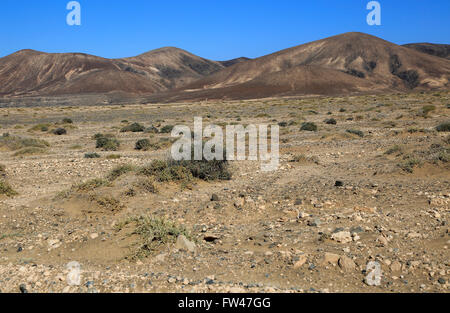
(15, 143)
(331, 121)
(6, 189)
(143, 144)
(120, 170)
(309, 127)
(107, 143)
(444, 127)
(135, 128)
(355, 132)
(167, 129)
(60, 131)
(92, 155)
(153, 232)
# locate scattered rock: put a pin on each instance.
(184, 244)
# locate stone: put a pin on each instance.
(315, 222)
(302, 260)
(342, 237)
(339, 183)
(331, 258)
(93, 236)
(347, 264)
(396, 266)
(214, 197)
(184, 244)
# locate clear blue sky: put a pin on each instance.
(212, 29)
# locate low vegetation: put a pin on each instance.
(153, 232)
(107, 142)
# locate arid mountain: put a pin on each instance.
(351, 62)
(343, 64)
(29, 72)
(233, 61)
(438, 50)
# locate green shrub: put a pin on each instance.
(309, 127)
(16, 143)
(92, 155)
(30, 151)
(355, 132)
(120, 170)
(67, 121)
(2, 171)
(6, 189)
(107, 143)
(40, 127)
(444, 127)
(143, 144)
(167, 129)
(426, 110)
(331, 121)
(151, 130)
(153, 232)
(113, 157)
(135, 128)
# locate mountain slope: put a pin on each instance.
(29, 72)
(438, 50)
(367, 61)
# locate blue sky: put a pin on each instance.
(212, 29)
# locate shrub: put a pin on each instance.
(91, 184)
(167, 129)
(6, 189)
(309, 127)
(16, 143)
(92, 155)
(409, 164)
(40, 127)
(444, 127)
(355, 132)
(394, 149)
(29, 151)
(143, 144)
(107, 143)
(154, 232)
(135, 128)
(331, 121)
(282, 124)
(119, 171)
(67, 121)
(113, 157)
(148, 185)
(427, 109)
(60, 131)
(151, 130)
(2, 171)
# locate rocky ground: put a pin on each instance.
(374, 186)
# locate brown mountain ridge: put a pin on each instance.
(343, 64)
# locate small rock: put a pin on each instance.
(342, 237)
(184, 244)
(214, 197)
(331, 258)
(302, 260)
(23, 288)
(347, 264)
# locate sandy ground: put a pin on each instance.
(291, 230)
